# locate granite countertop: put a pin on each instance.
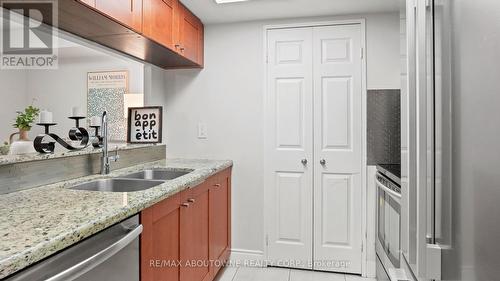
(41, 221)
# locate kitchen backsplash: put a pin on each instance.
(34, 170)
(384, 126)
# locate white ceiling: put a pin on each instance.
(210, 12)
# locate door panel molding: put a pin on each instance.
(332, 186)
(341, 105)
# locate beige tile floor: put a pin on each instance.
(282, 274)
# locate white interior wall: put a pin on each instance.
(227, 95)
(382, 52)
(14, 98)
(155, 89)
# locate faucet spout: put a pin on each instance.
(105, 159)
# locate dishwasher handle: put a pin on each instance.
(95, 260)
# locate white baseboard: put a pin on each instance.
(247, 258)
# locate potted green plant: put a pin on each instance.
(24, 121)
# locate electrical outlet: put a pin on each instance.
(202, 131)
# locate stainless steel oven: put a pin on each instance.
(388, 242)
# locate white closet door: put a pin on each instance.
(337, 141)
(289, 143)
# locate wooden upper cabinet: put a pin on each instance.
(190, 36)
(127, 12)
(158, 21)
(162, 32)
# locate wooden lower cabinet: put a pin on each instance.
(194, 235)
(187, 236)
(220, 220)
(160, 240)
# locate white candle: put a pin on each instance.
(77, 111)
(45, 117)
(95, 121)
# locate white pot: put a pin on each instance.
(21, 147)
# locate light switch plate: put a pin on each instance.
(202, 130)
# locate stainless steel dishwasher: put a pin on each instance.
(111, 255)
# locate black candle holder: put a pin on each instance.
(47, 126)
(44, 147)
(97, 142)
(77, 120)
(76, 134)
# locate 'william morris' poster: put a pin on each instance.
(106, 91)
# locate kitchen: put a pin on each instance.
(344, 126)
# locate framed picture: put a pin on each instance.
(106, 91)
(144, 124)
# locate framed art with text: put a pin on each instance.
(144, 124)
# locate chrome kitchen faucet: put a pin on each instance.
(105, 159)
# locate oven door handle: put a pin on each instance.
(396, 196)
(95, 260)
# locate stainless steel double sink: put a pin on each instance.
(138, 181)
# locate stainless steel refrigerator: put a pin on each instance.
(450, 221)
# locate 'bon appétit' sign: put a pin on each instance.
(144, 124)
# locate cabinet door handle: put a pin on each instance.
(217, 185)
(182, 49)
(191, 200)
(322, 161)
(177, 46)
(303, 161)
(185, 205)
